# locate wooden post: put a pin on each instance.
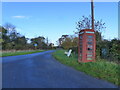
(92, 13)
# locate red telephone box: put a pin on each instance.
(86, 45)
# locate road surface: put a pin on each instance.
(41, 70)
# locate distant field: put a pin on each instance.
(100, 69)
(19, 52)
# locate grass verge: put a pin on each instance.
(4, 54)
(101, 69)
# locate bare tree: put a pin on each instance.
(85, 23)
(9, 27)
(47, 41)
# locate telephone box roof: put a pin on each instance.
(91, 30)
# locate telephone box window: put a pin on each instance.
(90, 46)
(89, 58)
(80, 37)
(80, 43)
(89, 55)
(90, 36)
(89, 42)
(89, 52)
(80, 48)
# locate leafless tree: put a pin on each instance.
(85, 23)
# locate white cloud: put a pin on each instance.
(19, 16)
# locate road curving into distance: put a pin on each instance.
(41, 70)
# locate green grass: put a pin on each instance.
(4, 54)
(101, 69)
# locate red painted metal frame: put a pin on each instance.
(84, 50)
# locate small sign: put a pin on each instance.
(68, 53)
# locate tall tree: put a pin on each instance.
(40, 41)
(12, 39)
(61, 39)
(68, 41)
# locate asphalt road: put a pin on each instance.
(41, 70)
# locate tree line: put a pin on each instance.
(10, 39)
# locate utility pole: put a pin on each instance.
(47, 42)
(92, 13)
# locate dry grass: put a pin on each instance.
(17, 52)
